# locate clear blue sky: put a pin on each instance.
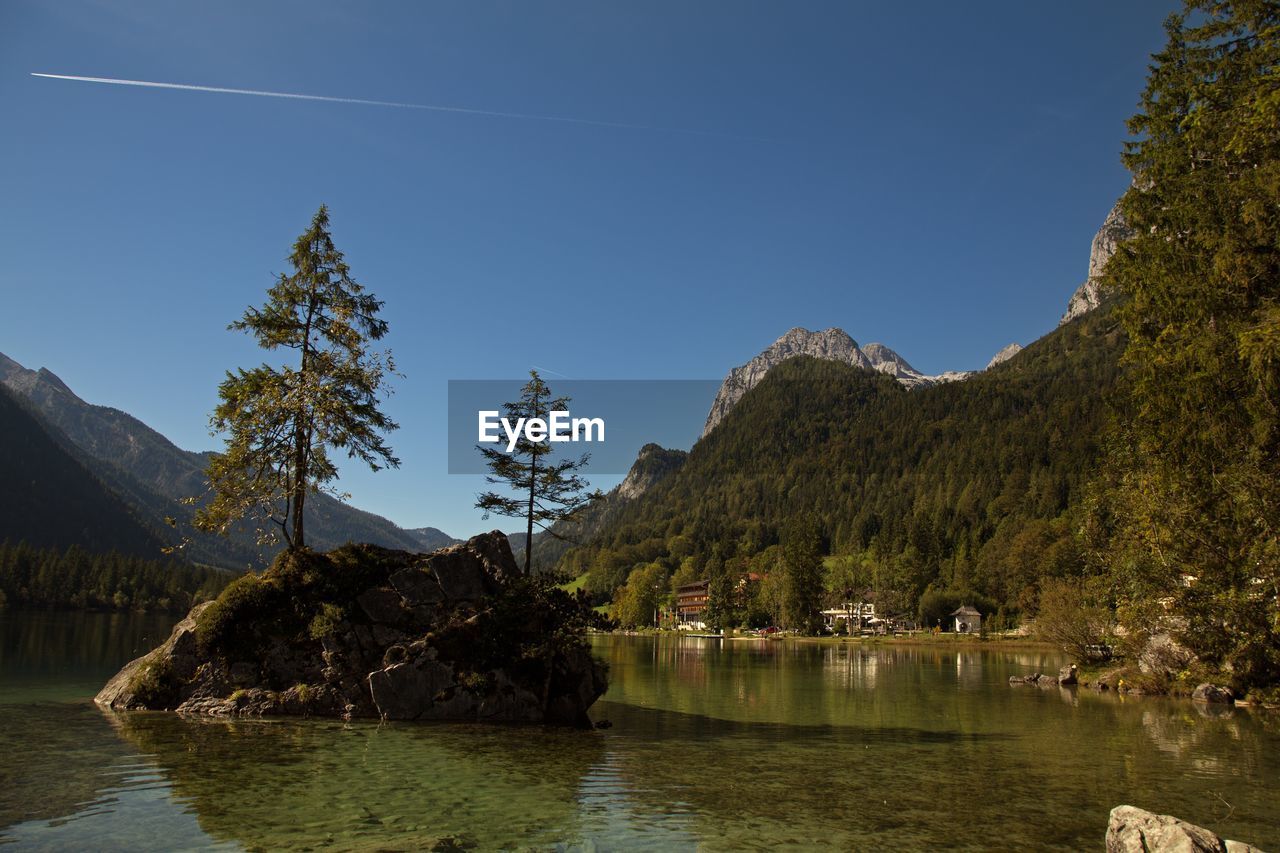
(929, 177)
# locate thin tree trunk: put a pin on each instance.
(299, 499)
(300, 436)
(533, 482)
(528, 537)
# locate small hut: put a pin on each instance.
(966, 620)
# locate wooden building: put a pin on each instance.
(691, 603)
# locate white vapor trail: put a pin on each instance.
(186, 87)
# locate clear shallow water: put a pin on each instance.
(740, 745)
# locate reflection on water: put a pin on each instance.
(714, 744)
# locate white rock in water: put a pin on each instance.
(1135, 830)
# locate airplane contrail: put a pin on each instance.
(187, 87)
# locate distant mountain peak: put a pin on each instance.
(653, 464)
(1004, 355)
(887, 361)
(52, 379)
(1089, 296)
(832, 344)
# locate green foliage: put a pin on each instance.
(972, 484)
(154, 683)
(325, 623)
(1190, 507)
(845, 578)
(229, 623)
(1074, 616)
(546, 491)
(301, 597)
(724, 604)
(769, 604)
(636, 603)
(937, 605)
(282, 423)
(40, 577)
(802, 567)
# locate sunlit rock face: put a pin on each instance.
(1089, 296)
(653, 464)
(1004, 355)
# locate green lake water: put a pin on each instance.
(713, 745)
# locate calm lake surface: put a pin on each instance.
(714, 745)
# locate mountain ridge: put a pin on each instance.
(55, 500)
(163, 475)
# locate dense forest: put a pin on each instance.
(966, 486)
(76, 578)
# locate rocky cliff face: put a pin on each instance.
(653, 464)
(1088, 296)
(830, 345)
(370, 632)
(1004, 355)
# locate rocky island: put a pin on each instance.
(365, 631)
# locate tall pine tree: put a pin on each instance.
(545, 490)
(281, 423)
(1197, 452)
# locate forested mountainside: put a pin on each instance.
(964, 485)
(154, 476)
(51, 499)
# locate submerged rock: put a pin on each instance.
(1135, 830)
(369, 632)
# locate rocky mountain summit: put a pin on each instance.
(889, 362)
(653, 464)
(1004, 355)
(836, 345)
(1088, 296)
(364, 631)
(828, 345)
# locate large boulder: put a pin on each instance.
(1213, 694)
(1164, 656)
(1135, 830)
(477, 567)
(369, 632)
(409, 689)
